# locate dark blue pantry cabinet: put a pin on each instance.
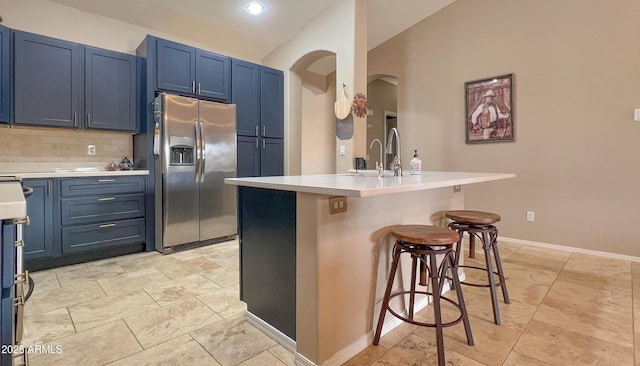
(191, 71)
(5, 76)
(65, 84)
(84, 218)
(258, 93)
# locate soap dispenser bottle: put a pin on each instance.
(415, 166)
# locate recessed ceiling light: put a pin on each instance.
(255, 8)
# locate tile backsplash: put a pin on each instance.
(53, 145)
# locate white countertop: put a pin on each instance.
(77, 173)
(62, 169)
(367, 183)
(12, 203)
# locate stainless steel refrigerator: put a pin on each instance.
(196, 151)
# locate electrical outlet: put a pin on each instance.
(337, 204)
(530, 216)
(457, 188)
(91, 150)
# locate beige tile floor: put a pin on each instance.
(183, 309)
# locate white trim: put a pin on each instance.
(300, 360)
(570, 249)
(266, 328)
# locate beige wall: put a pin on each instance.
(575, 64)
(318, 131)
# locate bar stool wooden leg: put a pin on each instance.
(492, 284)
(496, 255)
(472, 246)
(387, 293)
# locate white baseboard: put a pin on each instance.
(272, 332)
(569, 249)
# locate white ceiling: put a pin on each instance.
(255, 37)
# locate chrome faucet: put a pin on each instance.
(379, 167)
(396, 164)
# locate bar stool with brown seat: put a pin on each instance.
(425, 244)
(480, 224)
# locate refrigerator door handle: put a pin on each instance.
(203, 148)
(198, 150)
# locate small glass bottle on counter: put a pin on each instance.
(415, 165)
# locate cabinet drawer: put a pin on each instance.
(101, 185)
(82, 238)
(102, 208)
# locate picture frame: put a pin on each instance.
(489, 110)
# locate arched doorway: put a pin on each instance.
(382, 96)
(316, 72)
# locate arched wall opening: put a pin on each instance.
(315, 76)
(382, 97)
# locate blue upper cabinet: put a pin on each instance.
(65, 84)
(258, 93)
(213, 75)
(110, 90)
(272, 102)
(245, 94)
(176, 67)
(193, 72)
(5, 85)
(47, 81)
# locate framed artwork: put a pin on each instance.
(489, 109)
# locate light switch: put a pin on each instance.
(636, 114)
(343, 150)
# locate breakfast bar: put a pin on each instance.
(315, 251)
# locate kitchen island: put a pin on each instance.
(315, 252)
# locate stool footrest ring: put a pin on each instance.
(498, 283)
(431, 325)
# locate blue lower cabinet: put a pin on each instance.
(39, 234)
(83, 238)
(7, 261)
(85, 210)
(6, 325)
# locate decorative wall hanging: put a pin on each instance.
(489, 109)
(342, 107)
(359, 105)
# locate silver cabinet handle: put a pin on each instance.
(105, 226)
(48, 187)
(106, 199)
(264, 131)
(75, 120)
(198, 88)
(263, 144)
(106, 180)
(89, 119)
(256, 130)
(193, 86)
